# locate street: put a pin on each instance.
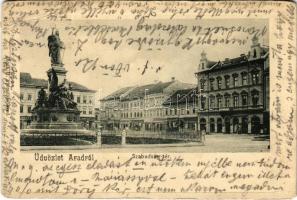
(214, 143)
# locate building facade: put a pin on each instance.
(140, 108)
(234, 94)
(84, 97)
(182, 112)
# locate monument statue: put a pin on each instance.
(55, 45)
(55, 114)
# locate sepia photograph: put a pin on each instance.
(207, 97)
(149, 99)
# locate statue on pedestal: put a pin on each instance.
(55, 45)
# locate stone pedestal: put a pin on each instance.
(55, 118)
(60, 71)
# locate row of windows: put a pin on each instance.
(85, 111)
(78, 98)
(28, 109)
(151, 103)
(235, 81)
(84, 99)
(159, 113)
(217, 102)
(24, 110)
(29, 97)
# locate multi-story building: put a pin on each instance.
(84, 97)
(181, 110)
(109, 113)
(139, 107)
(234, 93)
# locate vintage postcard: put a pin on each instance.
(158, 99)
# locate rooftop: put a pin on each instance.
(140, 91)
(26, 80)
(182, 96)
(243, 58)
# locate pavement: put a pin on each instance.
(213, 143)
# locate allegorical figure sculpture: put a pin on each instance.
(41, 101)
(55, 46)
(59, 94)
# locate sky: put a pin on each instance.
(175, 62)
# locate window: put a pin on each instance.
(219, 81)
(227, 81)
(211, 82)
(219, 100)
(202, 65)
(203, 103)
(84, 111)
(90, 112)
(244, 99)
(227, 101)
(255, 97)
(78, 99)
(212, 102)
(235, 80)
(29, 109)
(90, 100)
(235, 101)
(84, 99)
(244, 78)
(29, 97)
(22, 96)
(21, 109)
(255, 77)
(202, 85)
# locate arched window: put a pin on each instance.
(244, 78)
(255, 77)
(235, 80)
(202, 85)
(227, 100)
(255, 97)
(227, 81)
(211, 83)
(212, 102)
(219, 82)
(235, 100)
(219, 101)
(244, 98)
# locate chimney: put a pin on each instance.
(173, 78)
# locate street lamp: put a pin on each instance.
(145, 97)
